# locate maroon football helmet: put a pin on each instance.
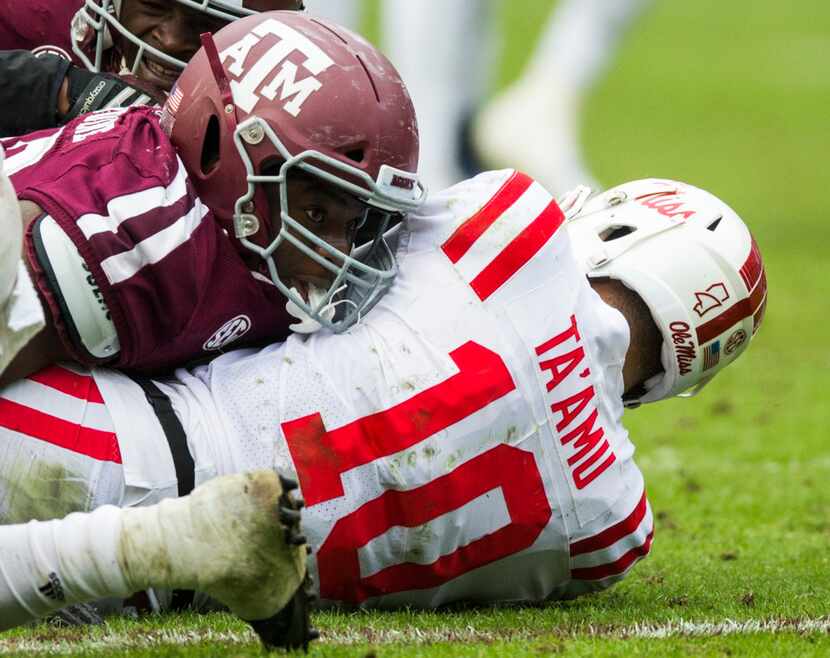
(95, 24)
(282, 91)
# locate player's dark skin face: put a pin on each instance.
(174, 29)
(326, 211)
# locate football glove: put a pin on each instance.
(90, 91)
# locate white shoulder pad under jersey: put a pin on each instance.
(463, 442)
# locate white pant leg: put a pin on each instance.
(443, 55)
(59, 452)
(21, 315)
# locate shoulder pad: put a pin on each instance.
(82, 305)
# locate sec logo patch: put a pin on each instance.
(735, 341)
(228, 333)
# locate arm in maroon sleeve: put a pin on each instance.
(164, 272)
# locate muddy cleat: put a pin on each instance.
(291, 627)
(228, 540)
(81, 614)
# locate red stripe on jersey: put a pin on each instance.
(613, 534)
(78, 386)
(513, 257)
(97, 444)
(459, 243)
(614, 568)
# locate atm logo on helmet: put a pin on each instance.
(271, 73)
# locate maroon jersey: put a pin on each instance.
(175, 286)
(28, 24)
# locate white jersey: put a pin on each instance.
(464, 441)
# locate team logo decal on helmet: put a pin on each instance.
(713, 297)
(274, 73)
(693, 262)
(281, 92)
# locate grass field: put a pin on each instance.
(735, 97)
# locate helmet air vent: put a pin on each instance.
(210, 146)
(615, 232)
(714, 224)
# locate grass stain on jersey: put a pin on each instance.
(31, 489)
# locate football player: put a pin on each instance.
(461, 442)
(152, 236)
(147, 42)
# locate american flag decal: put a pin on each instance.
(711, 355)
(174, 100)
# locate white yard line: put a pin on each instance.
(727, 627)
(135, 640)
(371, 635)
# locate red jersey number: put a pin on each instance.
(321, 457)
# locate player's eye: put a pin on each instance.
(315, 215)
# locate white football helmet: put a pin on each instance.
(693, 262)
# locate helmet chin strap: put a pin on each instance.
(221, 78)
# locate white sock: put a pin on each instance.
(46, 566)
(225, 539)
(222, 540)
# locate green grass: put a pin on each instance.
(735, 97)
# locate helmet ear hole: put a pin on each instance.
(356, 154)
(210, 146)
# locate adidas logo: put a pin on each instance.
(53, 589)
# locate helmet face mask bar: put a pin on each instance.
(365, 273)
(101, 17)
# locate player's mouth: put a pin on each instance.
(311, 289)
(159, 74)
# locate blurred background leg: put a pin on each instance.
(445, 58)
(534, 125)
